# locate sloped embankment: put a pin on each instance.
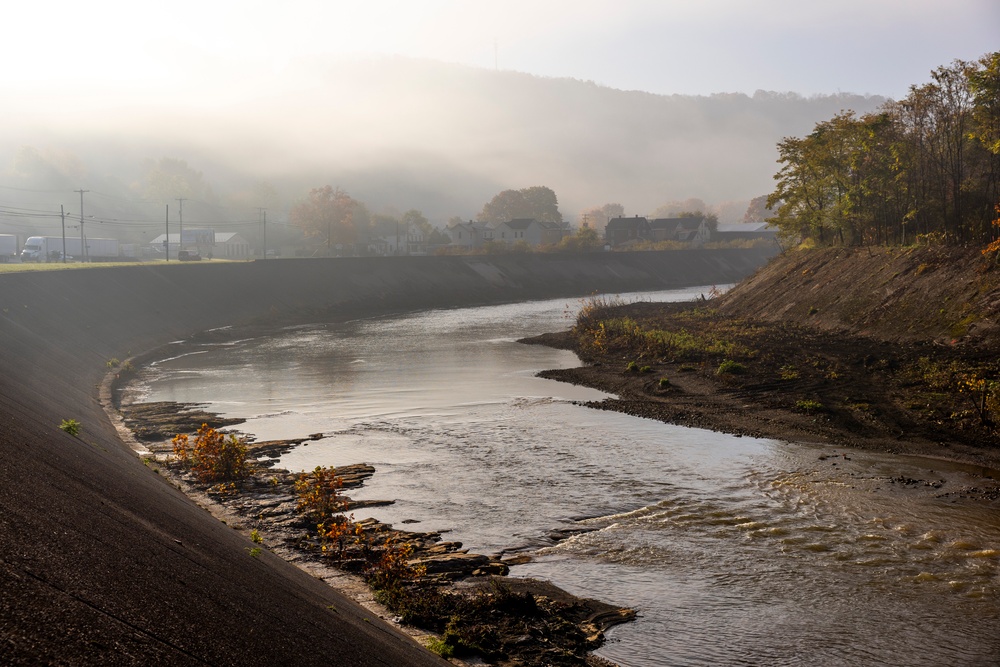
(890, 349)
(103, 561)
(942, 294)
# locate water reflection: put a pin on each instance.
(735, 550)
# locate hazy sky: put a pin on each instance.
(152, 48)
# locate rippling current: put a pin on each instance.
(733, 550)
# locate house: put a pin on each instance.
(230, 245)
(533, 232)
(620, 231)
(469, 234)
(692, 229)
(225, 245)
(161, 245)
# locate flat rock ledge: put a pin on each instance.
(560, 629)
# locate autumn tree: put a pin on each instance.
(757, 210)
(536, 202)
(586, 239)
(327, 217)
(597, 218)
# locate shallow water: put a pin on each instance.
(734, 550)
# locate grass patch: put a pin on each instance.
(71, 426)
(730, 367)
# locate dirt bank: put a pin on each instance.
(874, 349)
(103, 560)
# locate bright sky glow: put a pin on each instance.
(704, 47)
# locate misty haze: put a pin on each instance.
(396, 135)
(562, 334)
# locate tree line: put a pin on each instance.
(925, 167)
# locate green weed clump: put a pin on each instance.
(808, 405)
(664, 383)
(71, 426)
(214, 456)
(730, 367)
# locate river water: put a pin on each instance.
(733, 550)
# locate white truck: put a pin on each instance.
(8, 247)
(50, 249)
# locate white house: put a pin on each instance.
(227, 245)
(230, 245)
(469, 234)
(533, 232)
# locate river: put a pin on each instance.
(733, 550)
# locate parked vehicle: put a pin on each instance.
(50, 249)
(8, 247)
(188, 256)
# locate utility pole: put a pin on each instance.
(180, 221)
(166, 239)
(83, 240)
(62, 214)
(262, 216)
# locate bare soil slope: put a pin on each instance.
(868, 348)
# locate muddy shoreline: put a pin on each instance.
(799, 385)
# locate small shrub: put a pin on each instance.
(730, 367)
(319, 493)
(664, 383)
(631, 367)
(255, 537)
(214, 456)
(390, 566)
(71, 426)
(254, 552)
(338, 532)
(813, 310)
(442, 648)
(808, 405)
(646, 369)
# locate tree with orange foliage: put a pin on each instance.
(327, 218)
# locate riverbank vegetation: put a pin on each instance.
(925, 168)
(881, 348)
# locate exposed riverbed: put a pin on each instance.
(734, 550)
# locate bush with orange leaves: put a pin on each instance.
(214, 456)
(319, 493)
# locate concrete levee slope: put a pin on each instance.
(102, 560)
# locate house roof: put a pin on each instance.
(743, 227)
(626, 223)
(226, 237)
(519, 223)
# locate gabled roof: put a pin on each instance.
(665, 224)
(671, 224)
(519, 223)
(226, 237)
(626, 223)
